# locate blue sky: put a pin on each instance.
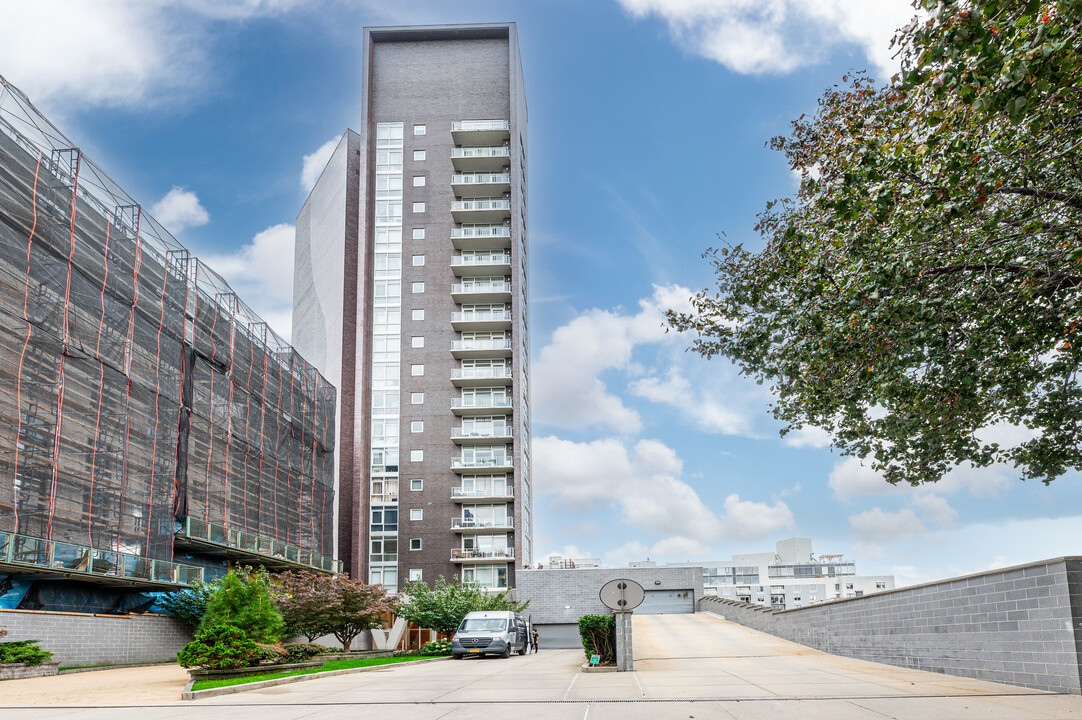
(648, 120)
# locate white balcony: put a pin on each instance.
(501, 492)
(480, 376)
(481, 320)
(481, 210)
(487, 526)
(486, 465)
(472, 406)
(482, 292)
(481, 237)
(482, 556)
(489, 264)
(470, 185)
(481, 348)
(480, 159)
(480, 132)
(471, 436)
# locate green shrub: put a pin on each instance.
(272, 654)
(243, 598)
(436, 648)
(300, 652)
(23, 651)
(221, 646)
(598, 633)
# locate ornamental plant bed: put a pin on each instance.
(17, 671)
(353, 655)
(227, 673)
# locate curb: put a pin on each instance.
(190, 694)
(588, 668)
(114, 667)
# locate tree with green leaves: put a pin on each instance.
(920, 298)
(443, 606)
(189, 605)
(243, 598)
(316, 604)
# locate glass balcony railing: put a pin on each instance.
(481, 178)
(480, 152)
(498, 433)
(480, 373)
(475, 260)
(480, 231)
(481, 204)
(462, 125)
(487, 554)
(487, 463)
(480, 288)
(215, 534)
(482, 524)
(462, 345)
(503, 491)
(72, 558)
(484, 403)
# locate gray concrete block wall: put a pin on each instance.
(563, 596)
(1019, 625)
(80, 639)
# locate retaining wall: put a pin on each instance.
(82, 639)
(1020, 625)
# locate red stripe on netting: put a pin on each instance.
(61, 379)
(127, 384)
(101, 394)
(248, 429)
(157, 394)
(229, 427)
(22, 355)
(312, 504)
(277, 443)
(210, 436)
(263, 441)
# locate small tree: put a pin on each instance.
(302, 599)
(443, 606)
(220, 646)
(356, 607)
(189, 605)
(244, 599)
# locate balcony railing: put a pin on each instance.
(481, 231)
(482, 319)
(252, 544)
(489, 554)
(474, 260)
(480, 373)
(460, 125)
(480, 152)
(496, 433)
(464, 345)
(69, 558)
(503, 491)
(482, 524)
(480, 178)
(481, 204)
(480, 288)
(482, 403)
(459, 463)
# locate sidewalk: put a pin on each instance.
(159, 685)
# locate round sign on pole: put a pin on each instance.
(622, 595)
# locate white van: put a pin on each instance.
(496, 633)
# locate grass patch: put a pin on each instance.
(327, 666)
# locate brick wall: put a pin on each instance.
(563, 596)
(1019, 625)
(81, 639)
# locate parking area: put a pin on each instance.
(686, 666)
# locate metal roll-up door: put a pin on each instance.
(657, 602)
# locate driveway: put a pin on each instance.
(686, 666)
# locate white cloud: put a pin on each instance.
(935, 509)
(570, 392)
(778, 36)
(261, 273)
(179, 209)
(808, 436)
(704, 408)
(644, 483)
(852, 477)
(878, 526)
(118, 52)
(313, 163)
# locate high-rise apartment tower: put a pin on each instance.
(411, 296)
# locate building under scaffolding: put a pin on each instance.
(152, 427)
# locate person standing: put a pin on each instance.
(533, 635)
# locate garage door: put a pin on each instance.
(657, 602)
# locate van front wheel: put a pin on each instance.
(456, 656)
(506, 651)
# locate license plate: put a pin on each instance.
(475, 650)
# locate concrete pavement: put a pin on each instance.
(686, 667)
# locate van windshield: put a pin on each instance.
(495, 625)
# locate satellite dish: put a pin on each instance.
(622, 595)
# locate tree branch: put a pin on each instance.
(1071, 200)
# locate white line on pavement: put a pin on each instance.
(636, 676)
(572, 684)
